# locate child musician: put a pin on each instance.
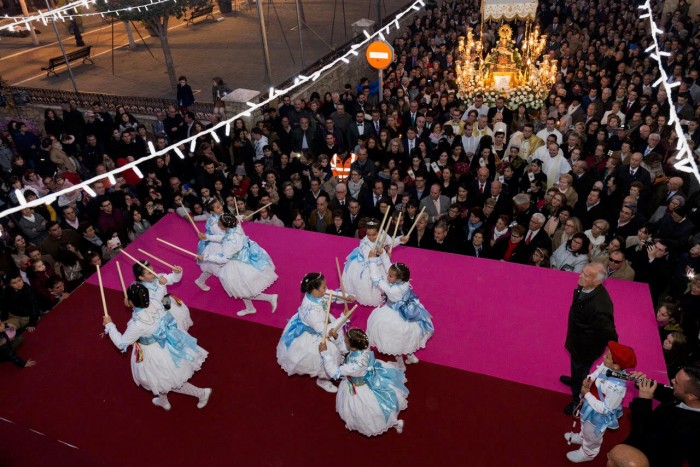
(164, 357)
(402, 325)
(297, 349)
(246, 269)
(356, 277)
(372, 392)
(158, 291)
(601, 402)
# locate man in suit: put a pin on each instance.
(501, 109)
(627, 223)
(370, 203)
(419, 191)
(340, 200)
(410, 141)
(441, 241)
(377, 123)
(583, 181)
(436, 205)
(481, 187)
(503, 202)
(353, 216)
(409, 117)
(673, 187)
(633, 172)
(630, 105)
(536, 237)
(304, 136)
(358, 128)
(591, 326)
(590, 209)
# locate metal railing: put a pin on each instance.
(110, 102)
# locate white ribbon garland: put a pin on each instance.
(684, 158)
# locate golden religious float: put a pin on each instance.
(521, 74)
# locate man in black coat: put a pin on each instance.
(591, 326)
(668, 434)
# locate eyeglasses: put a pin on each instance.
(616, 261)
(515, 236)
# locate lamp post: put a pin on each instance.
(63, 50)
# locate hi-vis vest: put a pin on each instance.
(340, 168)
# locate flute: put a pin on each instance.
(626, 377)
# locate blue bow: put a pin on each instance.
(296, 328)
(384, 382)
(252, 254)
(411, 309)
(169, 336)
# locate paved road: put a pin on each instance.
(229, 48)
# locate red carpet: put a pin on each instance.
(81, 393)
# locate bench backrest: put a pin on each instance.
(75, 55)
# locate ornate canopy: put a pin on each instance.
(496, 10)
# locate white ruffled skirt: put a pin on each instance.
(302, 357)
(242, 280)
(361, 411)
(392, 335)
(158, 372)
(357, 282)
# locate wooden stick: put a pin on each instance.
(344, 318)
(177, 247)
(121, 278)
(325, 321)
(139, 263)
(189, 218)
(250, 216)
(414, 224)
(102, 291)
(342, 287)
(381, 226)
(332, 294)
(235, 203)
(155, 258)
(396, 229)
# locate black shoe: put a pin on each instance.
(569, 409)
(565, 380)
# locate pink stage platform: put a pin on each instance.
(503, 320)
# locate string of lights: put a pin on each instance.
(55, 15)
(684, 158)
(300, 80)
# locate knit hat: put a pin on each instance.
(622, 355)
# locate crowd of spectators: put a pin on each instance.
(588, 177)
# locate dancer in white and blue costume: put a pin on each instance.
(158, 291)
(402, 325)
(246, 269)
(356, 277)
(210, 243)
(372, 393)
(164, 356)
(297, 349)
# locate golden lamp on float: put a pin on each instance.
(521, 76)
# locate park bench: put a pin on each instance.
(83, 53)
(206, 11)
